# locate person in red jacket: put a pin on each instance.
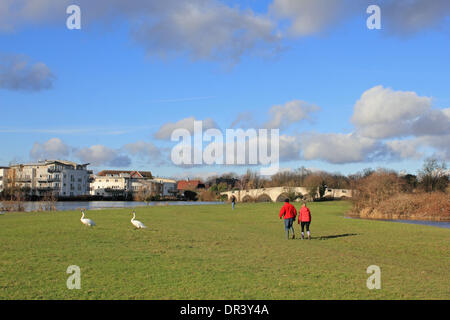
(304, 218)
(289, 212)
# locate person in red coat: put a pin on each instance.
(304, 218)
(289, 213)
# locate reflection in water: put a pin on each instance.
(92, 205)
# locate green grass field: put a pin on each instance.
(211, 252)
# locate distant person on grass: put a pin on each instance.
(233, 202)
(289, 212)
(304, 219)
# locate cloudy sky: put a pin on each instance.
(344, 97)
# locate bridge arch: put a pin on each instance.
(281, 197)
(264, 198)
(247, 198)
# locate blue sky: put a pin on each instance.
(109, 89)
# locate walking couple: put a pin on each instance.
(289, 213)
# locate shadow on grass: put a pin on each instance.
(335, 236)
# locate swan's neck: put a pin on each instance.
(82, 217)
(134, 216)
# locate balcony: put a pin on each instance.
(46, 189)
(49, 180)
(54, 169)
(23, 179)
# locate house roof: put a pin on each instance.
(50, 162)
(190, 184)
(133, 174)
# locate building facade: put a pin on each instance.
(112, 184)
(169, 187)
(50, 177)
(115, 183)
(3, 178)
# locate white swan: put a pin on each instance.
(136, 223)
(86, 221)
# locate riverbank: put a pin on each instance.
(417, 206)
(386, 216)
(42, 206)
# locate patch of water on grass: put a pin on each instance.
(439, 224)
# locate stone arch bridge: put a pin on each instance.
(277, 194)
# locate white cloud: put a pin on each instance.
(441, 145)
(99, 155)
(282, 116)
(142, 148)
(411, 16)
(400, 17)
(165, 131)
(382, 112)
(243, 119)
(148, 151)
(434, 122)
(380, 115)
(52, 149)
(309, 17)
(290, 148)
(207, 30)
(203, 29)
(16, 73)
(338, 148)
(403, 149)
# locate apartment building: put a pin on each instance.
(113, 183)
(3, 177)
(169, 186)
(57, 177)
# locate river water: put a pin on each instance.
(439, 224)
(93, 205)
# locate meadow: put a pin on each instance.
(212, 252)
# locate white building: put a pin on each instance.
(115, 183)
(169, 186)
(57, 177)
(3, 178)
(111, 184)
